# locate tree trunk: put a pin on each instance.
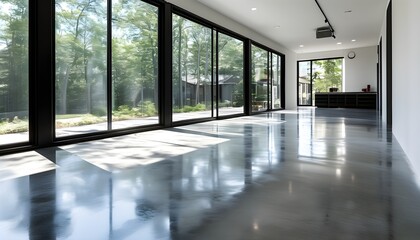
(88, 86)
(186, 73)
(181, 99)
(155, 78)
(63, 91)
(206, 70)
(197, 87)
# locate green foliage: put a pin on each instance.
(196, 108)
(135, 50)
(191, 59)
(144, 109)
(86, 119)
(230, 56)
(225, 103)
(68, 116)
(81, 54)
(261, 98)
(123, 110)
(99, 112)
(14, 37)
(328, 74)
(259, 64)
(15, 125)
(148, 108)
(238, 95)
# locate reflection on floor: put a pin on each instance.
(307, 174)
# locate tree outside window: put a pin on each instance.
(327, 74)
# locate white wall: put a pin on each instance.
(405, 78)
(213, 16)
(358, 72)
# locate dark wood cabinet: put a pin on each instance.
(346, 100)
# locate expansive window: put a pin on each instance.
(230, 77)
(259, 79)
(134, 64)
(82, 94)
(192, 70)
(81, 66)
(14, 52)
(110, 67)
(276, 81)
(325, 75)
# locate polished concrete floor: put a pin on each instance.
(306, 174)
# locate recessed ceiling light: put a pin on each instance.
(276, 26)
(353, 40)
(348, 11)
(253, 9)
(339, 43)
(301, 45)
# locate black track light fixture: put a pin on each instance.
(330, 28)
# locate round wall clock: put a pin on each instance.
(351, 55)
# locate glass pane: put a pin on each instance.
(14, 72)
(327, 75)
(81, 68)
(304, 81)
(231, 72)
(134, 64)
(276, 90)
(192, 69)
(259, 85)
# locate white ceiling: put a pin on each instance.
(293, 22)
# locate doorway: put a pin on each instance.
(318, 76)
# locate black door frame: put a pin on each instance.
(310, 85)
(389, 64)
(379, 78)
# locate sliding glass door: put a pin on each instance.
(97, 89)
(276, 81)
(259, 79)
(230, 75)
(135, 84)
(314, 76)
(266, 80)
(81, 67)
(191, 70)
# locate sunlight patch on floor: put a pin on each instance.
(23, 164)
(114, 154)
